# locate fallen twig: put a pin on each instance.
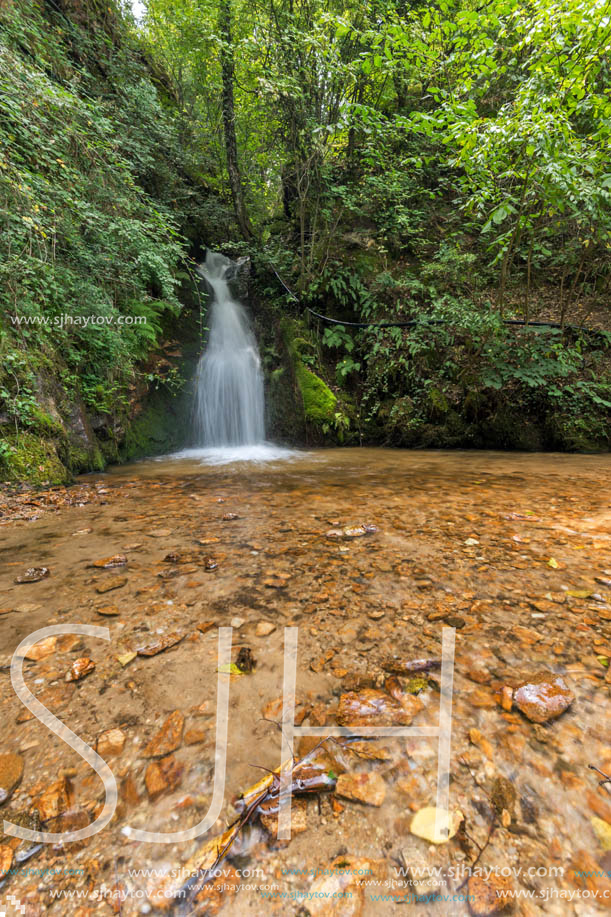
(606, 778)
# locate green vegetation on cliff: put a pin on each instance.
(391, 162)
(95, 191)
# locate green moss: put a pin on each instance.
(44, 423)
(416, 684)
(438, 405)
(30, 458)
(79, 458)
(319, 402)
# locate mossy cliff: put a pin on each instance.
(302, 406)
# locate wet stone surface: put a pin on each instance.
(369, 554)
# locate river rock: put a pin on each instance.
(162, 775)
(371, 707)
(484, 895)
(110, 585)
(168, 738)
(367, 788)
(6, 859)
(111, 743)
(53, 801)
(80, 668)
(40, 650)
(543, 697)
(107, 563)
(264, 628)
(32, 575)
(11, 772)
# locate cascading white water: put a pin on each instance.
(230, 407)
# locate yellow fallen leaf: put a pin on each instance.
(602, 831)
(580, 593)
(553, 563)
(126, 658)
(436, 825)
(230, 668)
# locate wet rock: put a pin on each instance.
(264, 628)
(11, 772)
(485, 895)
(107, 563)
(353, 531)
(160, 533)
(111, 743)
(54, 800)
(162, 776)
(277, 581)
(237, 622)
(543, 697)
(158, 646)
(230, 517)
(245, 660)
(108, 611)
(6, 859)
(168, 738)
(436, 825)
(80, 668)
(506, 698)
(32, 575)
(371, 707)
(40, 650)
(111, 585)
(503, 795)
(317, 665)
(476, 738)
(367, 788)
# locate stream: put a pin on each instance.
(511, 551)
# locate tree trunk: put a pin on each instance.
(231, 145)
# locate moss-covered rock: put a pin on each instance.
(319, 402)
(28, 457)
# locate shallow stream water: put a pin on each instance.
(512, 551)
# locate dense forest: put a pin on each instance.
(378, 163)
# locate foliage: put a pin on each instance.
(93, 194)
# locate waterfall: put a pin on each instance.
(229, 400)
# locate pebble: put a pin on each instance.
(111, 743)
(264, 628)
(367, 788)
(80, 668)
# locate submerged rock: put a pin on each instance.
(367, 788)
(543, 697)
(11, 772)
(168, 738)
